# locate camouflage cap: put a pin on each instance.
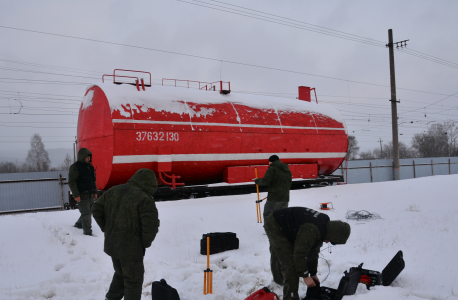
(337, 232)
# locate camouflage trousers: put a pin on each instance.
(271, 206)
(85, 208)
(282, 259)
(127, 280)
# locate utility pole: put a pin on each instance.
(381, 151)
(394, 101)
(74, 155)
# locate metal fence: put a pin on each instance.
(22, 192)
(364, 171)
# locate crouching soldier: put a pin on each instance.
(128, 216)
(81, 180)
(296, 235)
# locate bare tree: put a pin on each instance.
(65, 165)
(451, 130)
(37, 158)
(8, 167)
(433, 143)
(386, 152)
(13, 167)
(369, 154)
(353, 148)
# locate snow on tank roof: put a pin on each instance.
(170, 99)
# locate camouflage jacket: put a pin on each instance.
(306, 229)
(278, 178)
(128, 216)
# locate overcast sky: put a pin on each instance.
(352, 76)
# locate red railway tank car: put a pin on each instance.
(203, 136)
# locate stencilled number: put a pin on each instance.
(157, 136)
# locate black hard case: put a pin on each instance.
(160, 290)
(219, 242)
(393, 269)
(347, 286)
(349, 282)
(389, 274)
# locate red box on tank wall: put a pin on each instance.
(304, 171)
(243, 174)
(247, 174)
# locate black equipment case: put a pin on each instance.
(160, 290)
(219, 242)
(347, 286)
(387, 276)
(349, 282)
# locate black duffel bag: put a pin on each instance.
(219, 242)
(160, 290)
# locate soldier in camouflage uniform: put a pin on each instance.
(81, 180)
(296, 235)
(278, 178)
(128, 216)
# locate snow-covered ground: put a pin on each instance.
(43, 257)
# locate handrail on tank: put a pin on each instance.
(315, 95)
(118, 76)
(188, 81)
(136, 80)
(212, 84)
(114, 74)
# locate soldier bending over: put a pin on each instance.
(296, 235)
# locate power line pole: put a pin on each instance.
(394, 101)
(381, 151)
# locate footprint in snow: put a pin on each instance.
(58, 267)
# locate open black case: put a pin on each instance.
(350, 280)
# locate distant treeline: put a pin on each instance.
(37, 160)
(438, 141)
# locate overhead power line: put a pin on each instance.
(285, 21)
(16, 93)
(67, 69)
(206, 58)
(35, 81)
(47, 73)
(259, 15)
(55, 127)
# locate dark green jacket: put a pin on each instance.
(128, 216)
(73, 173)
(278, 178)
(305, 228)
